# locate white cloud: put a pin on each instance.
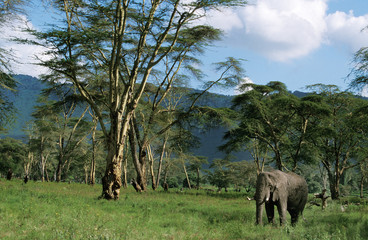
(364, 92)
(347, 29)
(226, 19)
(239, 90)
(23, 55)
(282, 30)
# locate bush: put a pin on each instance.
(172, 182)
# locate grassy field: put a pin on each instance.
(72, 211)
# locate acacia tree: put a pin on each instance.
(338, 135)
(265, 114)
(221, 174)
(116, 45)
(67, 117)
(196, 164)
(97, 148)
(42, 134)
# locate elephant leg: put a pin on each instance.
(270, 210)
(294, 217)
(281, 208)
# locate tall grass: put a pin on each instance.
(72, 211)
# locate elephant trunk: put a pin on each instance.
(262, 197)
(259, 213)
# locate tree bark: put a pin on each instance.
(111, 182)
(334, 185)
(59, 166)
(198, 179)
(138, 155)
(186, 175)
(361, 186)
(151, 162)
(92, 173)
(125, 170)
(42, 160)
(160, 162)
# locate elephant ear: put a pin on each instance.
(275, 194)
(276, 189)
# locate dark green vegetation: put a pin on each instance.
(51, 152)
(72, 211)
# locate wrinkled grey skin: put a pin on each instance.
(288, 191)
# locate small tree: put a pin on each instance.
(13, 154)
(243, 174)
(220, 174)
(196, 164)
(42, 135)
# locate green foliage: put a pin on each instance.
(272, 120)
(220, 176)
(339, 136)
(359, 71)
(12, 156)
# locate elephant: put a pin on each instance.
(288, 191)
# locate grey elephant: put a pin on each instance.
(288, 191)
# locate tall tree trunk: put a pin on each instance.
(139, 156)
(160, 162)
(361, 186)
(42, 170)
(111, 182)
(141, 171)
(27, 165)
(85, 174)
(278, 160)
(60, 159)
(92, 173)
(42, 160)
(46, 173)
(334, 185)
(125, 171)
(59, 168)
(198, 178)
(151, 162)
(186, 175)
(166, 172)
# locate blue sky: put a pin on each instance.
(298, 42)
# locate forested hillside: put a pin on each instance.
(29, 89)
(24, 99)
(299, 120)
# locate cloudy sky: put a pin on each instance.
(298, 42)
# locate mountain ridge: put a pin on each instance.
(29, 88)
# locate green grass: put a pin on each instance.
(72, 211)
